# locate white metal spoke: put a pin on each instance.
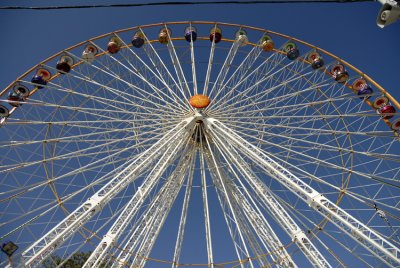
(279, 213)
(256, 248)
(210, 65)
(157, 211)
(327, 147)
(67, 155)
(183, 218)
(44, 247)
(289, 109)
(131, 208)
(198, 144)
(178, 68)
(136, 73)
(269, 74)
(338, 167)
(318, 131)
(159, 65)
(229, 222)
(193, 63)
(367, 237)
(272, 79)
(200, 135)
(218, 84)
(238, 75)
(262, 94)
(259, 223)
(54, 204)
(175, 99)
(127, 97)
(163, 211)
(219, 181)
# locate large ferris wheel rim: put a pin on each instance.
(203, 38)
(342, 61)
(212, 23)
(240, 26)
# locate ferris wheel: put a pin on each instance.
(199, 144)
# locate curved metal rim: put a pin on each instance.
(362, 74)
(269, 32)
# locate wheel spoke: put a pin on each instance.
(222, 145)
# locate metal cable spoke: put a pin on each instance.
(194, 144)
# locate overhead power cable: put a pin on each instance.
(176, 3)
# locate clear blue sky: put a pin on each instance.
(347, 30)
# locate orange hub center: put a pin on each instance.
(199, 101)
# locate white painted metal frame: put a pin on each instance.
(43, 248)
(161, 209)
(224, 195)
(202, 138)
(365, 236)
(279, 212)
(259, 223)
(131, 208)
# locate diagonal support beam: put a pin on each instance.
(261, 226)
(370, 239)
(240, 203)
(223, 194)
(46, 245)
(183, 218)
(277, 210)
(99, 255)
(146, 231)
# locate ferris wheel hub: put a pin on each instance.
(199, 101)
